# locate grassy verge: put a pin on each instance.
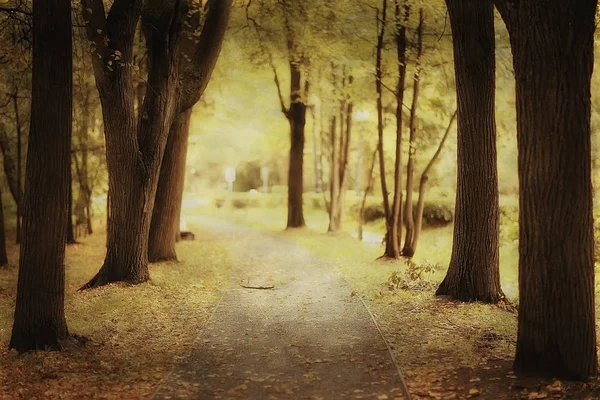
(129, 337)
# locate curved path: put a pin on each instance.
(309, 337)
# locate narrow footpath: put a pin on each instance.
(295, 331)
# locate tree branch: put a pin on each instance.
(196, 76)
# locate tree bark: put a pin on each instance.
(553, 62)
(39, 321)
(297, 119)
(19, 172)
(134, 152)
(164, 228)
(473, 274)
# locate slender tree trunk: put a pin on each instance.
(70, 232)
(297, 120)
(553, 62)
(164, 228)
(334, 178)
(473, 274)
(19, 162)
(39, 321)
(361, 212)
(396, 225)
(3, 255)
(408, 249)
(10, 166)
(422, 185)
(316, 155)
(389, 240)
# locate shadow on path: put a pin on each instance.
(307, 338)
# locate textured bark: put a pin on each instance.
(164, 228)
(39, 321)
(135, 150)
(297, 118)
(553, 61)
(473, 274)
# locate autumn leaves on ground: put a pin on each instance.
(126, 339)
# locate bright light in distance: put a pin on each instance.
(361, 115)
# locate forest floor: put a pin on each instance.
(129, 338)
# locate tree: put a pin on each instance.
(3, 255)
(292, 25)
(39, 321)
(134, 150)
(473, 274)
(164, 227)
(553, 60)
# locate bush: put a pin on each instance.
(437, 212)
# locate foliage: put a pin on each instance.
(414, 277)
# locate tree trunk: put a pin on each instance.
(334, 178)
(396, 233)
(10, 167)
(19, 163)
(3, 255)
(553, 62)
(473, 274)
(39, 321)
(408, 249)
(422, 185)
(361, 211)
(70, 232)
(164, 228)
(297, 120)
(389, 240)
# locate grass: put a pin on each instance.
(128, 337)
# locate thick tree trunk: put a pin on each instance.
(553, 61)
(473, 274)
(297, 120)
(164, 228)
(3, 255)
(39, 313)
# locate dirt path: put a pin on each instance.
(307, 338)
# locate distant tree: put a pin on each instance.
(3, 255)
(135, 149)
(39, 320)
(553, 57)
(473, 274)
